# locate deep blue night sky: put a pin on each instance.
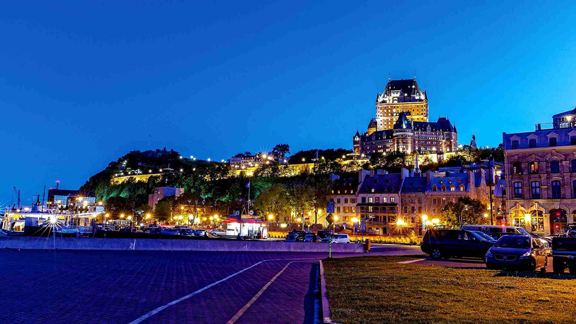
(83, 83)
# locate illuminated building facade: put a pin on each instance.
(540, 168)
(400, 96)
(408, 136)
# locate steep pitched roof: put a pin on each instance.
(414, 185)
(381, 183)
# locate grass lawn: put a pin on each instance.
(379, 290)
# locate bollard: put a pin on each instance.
(367, 246)
(330, 249)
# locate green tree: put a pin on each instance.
(273, 200)
(163, 209)
(281, 150)
(465, 209)
(118, 205)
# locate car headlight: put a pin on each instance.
(526, 255)
(489, 254)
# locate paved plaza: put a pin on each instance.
(160, 287)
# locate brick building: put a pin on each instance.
(540, 169)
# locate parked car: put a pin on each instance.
(496, 231)
(292, 237)
(170, 231)
(485, 236)
(340, 238)
(446, 243)
(336, 238)
(200, 232)
(564, 253)
(517, 251)
(311, 237)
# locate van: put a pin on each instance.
(496, 231)
(446, 243)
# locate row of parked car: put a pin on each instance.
(321, 236)
(499, 246)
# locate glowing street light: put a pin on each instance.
(435, 221)
(147, 216)
(336, 218)
(121, 215)
(485, 215)
(299, 219)
(270, 217)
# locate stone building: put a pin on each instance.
(343, 195)
(381, 199)
(408, 136)
(540, 169)
(400, 96)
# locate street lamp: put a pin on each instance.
(528, 220)
(400, 222)
(270, 217)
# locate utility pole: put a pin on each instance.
(490, 175)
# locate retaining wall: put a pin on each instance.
(42, 243)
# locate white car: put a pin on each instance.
(340, 238)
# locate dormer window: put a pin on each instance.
(515, 144)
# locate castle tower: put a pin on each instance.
(400, 96)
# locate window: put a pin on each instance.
(363, 200)
(574, 188)
(369, 199)
(392, 199)
(574, 165)
(516, 168)
(555, 166)
(515, 144)
(517, 189)
(534, 167)
(535, 185)
(384, 199)
(405, 209)
(572, 140)
(556, 190)
(377, 200)
(452, 188)
(353, 200)
(345, 200)
(419, 200)
(553, 141)
(338, 200)
(532, 142)
(338, 209)
(434, 201)
(443, 188)
(461, 187)
(434, 188)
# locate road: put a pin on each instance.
(161, 287)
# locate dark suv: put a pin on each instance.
(446, 243)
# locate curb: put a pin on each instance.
(326, 315)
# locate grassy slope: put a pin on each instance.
(379, 290)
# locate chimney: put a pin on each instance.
(404, 173)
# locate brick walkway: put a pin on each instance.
(120, 287)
